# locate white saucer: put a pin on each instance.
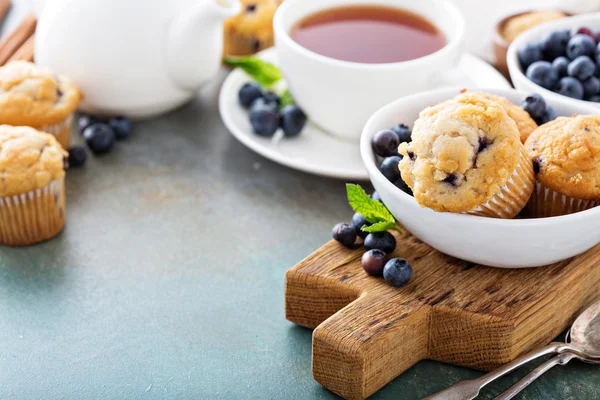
(316, 151)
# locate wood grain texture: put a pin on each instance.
(11, 43)
(368, 332)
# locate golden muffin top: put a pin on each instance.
(462, 153)
(566, 155)
(29, 160)
(34, 96)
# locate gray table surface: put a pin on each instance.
(168, 280)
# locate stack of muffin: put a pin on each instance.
(480, 154)
(36, 109)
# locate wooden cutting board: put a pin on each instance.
(368, 332)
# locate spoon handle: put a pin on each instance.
(561, 359)
(468, 390)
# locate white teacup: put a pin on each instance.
(340, 96)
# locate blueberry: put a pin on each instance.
(375, 196)
(373, 262)
(272, 98)
(99, 137)
(548, 116)
(385, 143)
(587, 32)
(400, 184)
(383, 241)
(555, 44)
(397, 272)
(345, 234)
(595, 99)
(248, 93)
(542, 73)
(591, 87)
(358, 221)
(535, 105)
(582, 68)
(77, 156)
(86, 120)
(580, 45)
(571, 87)
(121, 126)
(561, 64)
(537, 165)
(404, 133)
(262, 102)
(529, 54)
(389, 168)
(292, 120)
(264, 119)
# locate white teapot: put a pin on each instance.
(137, 58)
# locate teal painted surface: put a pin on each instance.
(168, 281)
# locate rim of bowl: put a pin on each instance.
(512, 58)
(368, 157)
(453, 13)
(499, 39)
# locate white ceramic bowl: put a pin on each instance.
(488, 241)
(517, 75)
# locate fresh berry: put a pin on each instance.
(121, 126)
(535, 105)
(248, 93)
(264, 119)
(77, 156)
(587, 32)
(555, 44)
(86, 120)
(548, 116)
(292, 120)
(272, 98)
(591, 87)
(385, 143)
(389, 168)
(383, 241)
(570, 87)
(262, 102)
(397, 272)
(580, 45)
(529, 54)
(582, 68)
(400, 184)
(595, 99)
(373, 262)
(542, 73)
(404, 133)
(375, 196)
(99, 137)
(358, 221)
(561, 64)
(345, 234)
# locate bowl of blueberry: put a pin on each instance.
(559, 60)
(505, 243)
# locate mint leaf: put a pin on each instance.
(379, 227)
(373, 210)
(286, 99)
(263, 72)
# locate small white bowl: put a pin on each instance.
(520, 81)
(517, 243)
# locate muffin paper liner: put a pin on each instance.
(61, 131)
(547, 202)
(34, 216)
(513, 196)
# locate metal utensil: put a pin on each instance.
(584, 344)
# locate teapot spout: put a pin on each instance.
(195, 42)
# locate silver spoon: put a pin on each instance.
(584, 344)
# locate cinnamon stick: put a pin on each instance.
(25, 52)
(4, 6)
(13, 41)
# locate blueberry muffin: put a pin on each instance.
(34, 96)
(525, 123)
(252, 29)
(566, 161)
(32, 191)
(466, 157)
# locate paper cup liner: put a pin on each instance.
(61, 131)
(513, 196)
(546, 202)
(34, 216)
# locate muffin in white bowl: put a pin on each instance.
(513, 243)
